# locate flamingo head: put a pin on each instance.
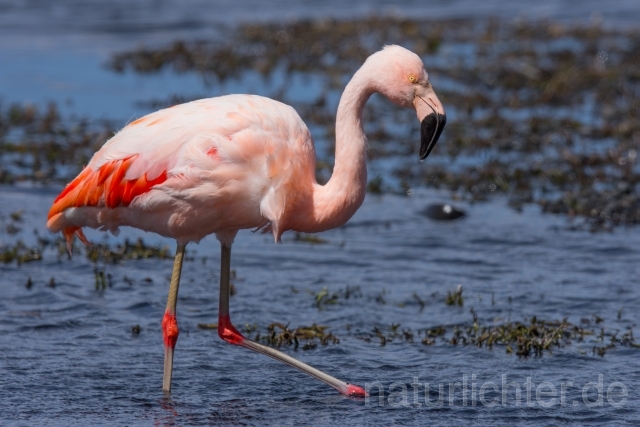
(399, 75)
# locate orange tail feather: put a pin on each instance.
(106, 186)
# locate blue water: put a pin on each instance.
(67, 353)
(69, 357)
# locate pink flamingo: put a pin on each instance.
(215, 166)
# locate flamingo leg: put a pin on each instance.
(230, 334)
(170, 329)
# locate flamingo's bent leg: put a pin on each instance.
(230, 334)
(170, 329)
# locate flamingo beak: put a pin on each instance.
(430, 130)
(432, 120)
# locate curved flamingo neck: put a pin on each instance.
(337, 201)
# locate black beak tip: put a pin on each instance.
(430, 130)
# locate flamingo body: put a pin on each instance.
(219, 165)
(209, 166)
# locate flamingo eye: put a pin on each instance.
(412, 78)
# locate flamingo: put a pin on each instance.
(219, 165)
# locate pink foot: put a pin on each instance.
(355, 391)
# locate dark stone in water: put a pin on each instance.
(443, 212)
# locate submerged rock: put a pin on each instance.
(443, 212)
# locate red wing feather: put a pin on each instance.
(105, 187)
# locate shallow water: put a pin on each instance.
(69, 357)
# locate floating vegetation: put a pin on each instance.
(324, 298)
(19, 252)
(137, 250)
(39, 145)
(101, 282)
(280, 335)
(455, 297)
(519, 338)
(16, 216)
(351, 292)
(419, 300)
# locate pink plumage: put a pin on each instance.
(219, 165)
(224, 164)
